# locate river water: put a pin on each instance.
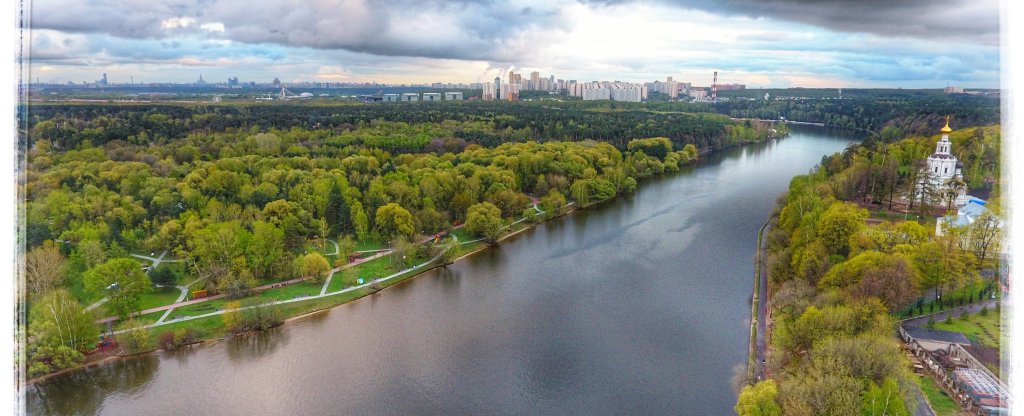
(638, 306)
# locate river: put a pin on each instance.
(638, 306)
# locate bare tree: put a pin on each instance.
(985, 235)
(44, 268)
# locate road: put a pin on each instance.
(762, 310)
(923, 408)
(940, 316)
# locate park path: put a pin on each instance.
(257, 289)
(335, 247)
(304, 298)
(941, 315)
(323, 290)
(181, 297)
(923, 407)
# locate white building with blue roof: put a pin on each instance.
(964, 217)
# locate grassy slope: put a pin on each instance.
(941, 403)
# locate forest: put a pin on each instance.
(484, 123)
(839, 282)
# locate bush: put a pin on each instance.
(949, 318)
(135, 338)
(46, 359)
(931, 321)
(166, 340)
(984, 310)
(178, 338)
(256, 314)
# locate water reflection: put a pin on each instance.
(247, 347)
(84, 392)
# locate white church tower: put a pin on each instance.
(943, 166)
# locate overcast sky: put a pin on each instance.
(761, 43)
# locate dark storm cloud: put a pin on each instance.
(974, 21)
(465, 29)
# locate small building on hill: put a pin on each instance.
(942, 176)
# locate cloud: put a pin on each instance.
(974, 20)
(465, 29)
(761, 43)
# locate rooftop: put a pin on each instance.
(925, 334)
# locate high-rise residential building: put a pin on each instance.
(490, 90)
(535, 80)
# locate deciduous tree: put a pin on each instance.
(44, 268)
(121, 281)
(484, 219)
(393, 220)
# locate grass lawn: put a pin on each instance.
(370, 245)
(375, 268)
(941, 403)
(291, 291)
(205, 328)
(982, 329)
(199, 308)
(150, 318)
(343, 279)
(314, 247)
(158, 297)
(464, 235)
(151, 299)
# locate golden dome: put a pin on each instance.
(947, 129)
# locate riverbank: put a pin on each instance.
(210, 328)
(755, 369)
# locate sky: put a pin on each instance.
(760, 43)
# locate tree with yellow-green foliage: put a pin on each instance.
(838, 223)
(392, 220)
(484, 219)
(759, 400)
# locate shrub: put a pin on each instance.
(984, 310)
(178, 338)
(166, 340)
(135, 338)
(931, 321)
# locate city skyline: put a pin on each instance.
(861, 46)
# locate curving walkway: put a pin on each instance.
(335, 247)
(181, 297)
(323, 291)
(299, 299)
(257, 289)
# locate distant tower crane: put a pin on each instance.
(714, 88)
